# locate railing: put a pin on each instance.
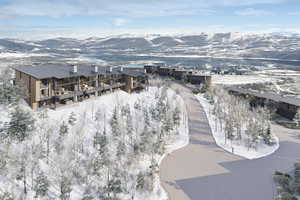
(71, 94)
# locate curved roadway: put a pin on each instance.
(204, 171)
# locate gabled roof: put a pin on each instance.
(65, 71)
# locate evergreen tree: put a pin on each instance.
(267, 136)
(114, 123)
(125, 110)
(7, 196)
(297, 118)
(65, 186)
(63, 129)
(146, 118)
(140, 181)
(176, 116)
(137, 105)
(114, 186)
(121, 149)
(167, 124)
(21, 124)
(72, 119)
(41, 185)
(129, 127)
(11, 93)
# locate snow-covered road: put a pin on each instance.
(204, 171)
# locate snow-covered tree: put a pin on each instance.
(267, 136)
(72, 119)
(140, 181)
(65, 187)
(297, 118)
(114, 123)
(176, 116)
(7, 196)
(41, 186)
(63, 129)
(146, 118)
(11, 93)
(21, 124)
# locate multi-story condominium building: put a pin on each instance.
(51, 85)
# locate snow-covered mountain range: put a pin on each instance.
(272, 46)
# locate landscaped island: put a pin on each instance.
(107, 147)
(237, 127)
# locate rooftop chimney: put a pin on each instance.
(110, 69)
(121, 69)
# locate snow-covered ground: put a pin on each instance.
(235, 147)
(109, 102)
(83, 132)
(240, 79)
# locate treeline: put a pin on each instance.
(94, 155)
(238, 121)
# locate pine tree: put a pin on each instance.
(167, 125)
(72, 119)
(113, 186)
(63, 129)
(146, 118)
(129, 127)
(114, 123)
(140, 181)
(41, 185)
(87, 195)
(65, 186)
(297, 118)
(137, 105)
(7, 196)
(21, 124)
(121, 149)
(176, 116)
(11, 93)
(125, 110)
(267, 136)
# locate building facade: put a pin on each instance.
(51, 85)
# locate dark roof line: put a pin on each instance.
(275, 97)
(66, 71)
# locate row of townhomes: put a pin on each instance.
(52, 85)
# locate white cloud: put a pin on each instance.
(132, 8)
(253, 12)
(120, 22)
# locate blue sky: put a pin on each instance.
(38, 19)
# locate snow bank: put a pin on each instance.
(235, 147)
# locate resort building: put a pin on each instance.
(285, 106)
(51, 85)
(188, 75)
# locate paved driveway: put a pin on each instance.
(203, 171)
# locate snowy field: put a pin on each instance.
(81, 135)
(235, 147)
(240, 79)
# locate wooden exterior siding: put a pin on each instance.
(33, 86)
